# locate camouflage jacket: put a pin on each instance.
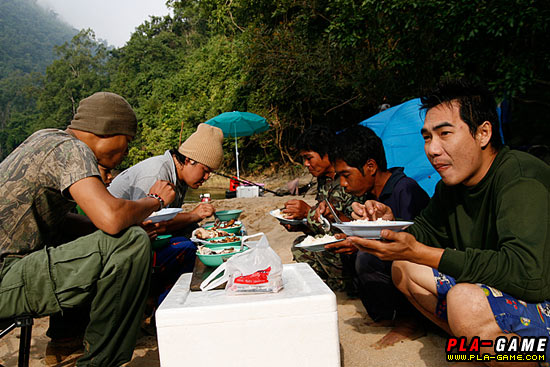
(337, 196)
(34, 180)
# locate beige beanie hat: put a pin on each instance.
(204, 146)
(105, 113)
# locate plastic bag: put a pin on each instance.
(258, 270)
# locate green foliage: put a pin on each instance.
(28, 34)
(206, 84)
(80, 71)
(17, 97)
(297, 63)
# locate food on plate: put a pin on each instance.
(204, 234)
(280, 214)
(366, 222)
(203, 250)
(223, 225)
(228, 239)
(310, 240)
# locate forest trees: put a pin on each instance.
(27, 35)
(298, 63)
(80, 70)
(35, 101)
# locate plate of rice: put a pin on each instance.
(317, 244)
(371, 228)
(277, 213)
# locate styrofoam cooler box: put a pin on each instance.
(296, 327)
(248, 191)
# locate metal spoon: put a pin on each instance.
(325, 224)
(333, 212)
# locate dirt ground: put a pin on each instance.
(355, 336)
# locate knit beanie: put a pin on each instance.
(204, 146)
(105, 113)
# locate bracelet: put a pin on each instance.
(155, 196)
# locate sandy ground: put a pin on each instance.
(355, 336)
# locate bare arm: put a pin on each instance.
(111, 214)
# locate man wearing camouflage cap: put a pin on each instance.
(108, 269)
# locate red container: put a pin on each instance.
(233, 184)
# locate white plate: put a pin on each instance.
(318, 247)
(293, 222)
(163, 214)
(371, 230)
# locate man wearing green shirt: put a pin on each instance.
(475, 260)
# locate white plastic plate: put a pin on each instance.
(293, 222)
(163, 215)
(371, 230)
(318, 247)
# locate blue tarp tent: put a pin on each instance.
(399, 128)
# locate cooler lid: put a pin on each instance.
(304, 293)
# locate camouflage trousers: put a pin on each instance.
(336, 270)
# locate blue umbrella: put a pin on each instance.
(236, 124)
(399, 128)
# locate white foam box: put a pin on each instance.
(248, 191)
(296, 327)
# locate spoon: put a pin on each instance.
(333, 211)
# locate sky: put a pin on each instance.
(111, 20)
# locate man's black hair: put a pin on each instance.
(356, 145)
(317, 139)
(477, 105)
(180, 157)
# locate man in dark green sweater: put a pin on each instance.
(476, 261)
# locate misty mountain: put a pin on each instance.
(28, 34)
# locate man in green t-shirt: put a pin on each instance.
(476, 259)
(52, 260)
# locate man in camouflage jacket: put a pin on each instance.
(335, 269)
(106, 267)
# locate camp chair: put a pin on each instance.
(25, 323)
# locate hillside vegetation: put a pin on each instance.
(28, 35)
(297, 63)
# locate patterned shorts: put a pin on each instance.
(512, 315)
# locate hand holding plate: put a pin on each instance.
(392, 246)
(296, 209)
(342, 247)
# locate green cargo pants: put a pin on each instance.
(111, 273)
